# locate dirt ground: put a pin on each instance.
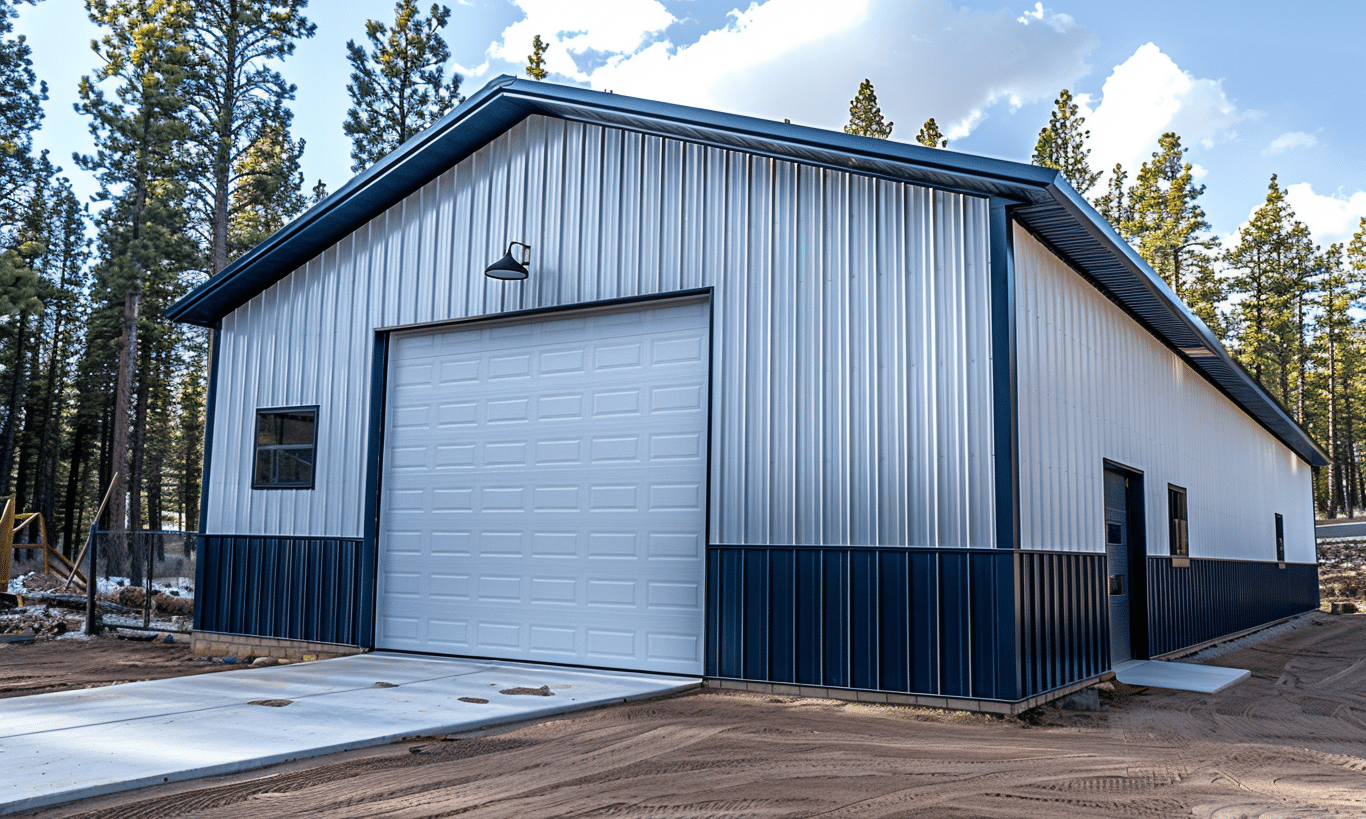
(1289, 742)
(63, 665)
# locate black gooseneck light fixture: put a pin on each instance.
(508, 268)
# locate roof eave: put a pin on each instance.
(1215, 356)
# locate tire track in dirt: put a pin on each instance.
(224, 796)
(1289, 742)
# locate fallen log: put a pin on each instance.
(75, 601)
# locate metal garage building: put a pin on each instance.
(773, 405)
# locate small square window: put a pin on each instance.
(1177, 532)
(286, 440)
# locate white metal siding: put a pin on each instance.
(1093, 384)
(852, 397)
(544, 489)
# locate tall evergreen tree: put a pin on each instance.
(1274, 264)
(1339, 292)
(1164, 220)
(399, 87)
(56, 221)
(930, 136)
(1114, 203)
(21, 112)
(535, 61)
(1062, 145)
(235, 96)
(140, 137)
(865, 117)
(268, 190)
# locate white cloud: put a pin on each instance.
(1331, 218)
(1146, 96)
(1059, 21)
(804, 59)
(612, 28)
(1288, 140)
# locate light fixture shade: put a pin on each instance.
(506, 268)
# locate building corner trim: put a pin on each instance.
(1005, 462)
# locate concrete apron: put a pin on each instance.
(1203, 679)
(70, 745)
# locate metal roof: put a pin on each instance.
(1044, 203)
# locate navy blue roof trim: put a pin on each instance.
(1047, 205)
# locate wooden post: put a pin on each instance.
(75, 564)
(6, 540)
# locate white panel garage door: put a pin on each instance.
(543, 491)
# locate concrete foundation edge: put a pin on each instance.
(983, 706)
(245, 647)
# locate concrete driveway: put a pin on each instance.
(74, 744)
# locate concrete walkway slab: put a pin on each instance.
(74, 744)
(1204, 679)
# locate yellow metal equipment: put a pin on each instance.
(11, 524)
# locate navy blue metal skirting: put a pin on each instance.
(1064, 619)
(974, 623)
(316, 589)
(1211, 598)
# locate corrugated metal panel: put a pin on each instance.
(1064, 627)
(851, 340)
(1093, 384)
(924, 621)
(999, 625)
(1210, 598)
(319, 590)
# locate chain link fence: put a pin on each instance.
(143, 580)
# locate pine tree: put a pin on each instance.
(55, 221)
(398, 88)
(1338, 294)
(930, 136)
(1164, 220)
(236, 96)
(1274, 264)
(268, 188)
(535, 62)
(140, 138)
(21, 112)
(1114, 203)
(1062, 145)
(865, 117)
(1348, 453)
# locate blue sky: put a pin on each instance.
(1254, 88)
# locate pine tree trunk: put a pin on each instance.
(118, 446)
(137, 480)
(25, 447)
(12, 412)
(71, 526)
(222, 160)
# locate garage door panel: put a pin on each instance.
(545, 482)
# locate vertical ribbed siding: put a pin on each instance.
(1193, 604)
(851, 368)
(1093, 384)
(316, 589)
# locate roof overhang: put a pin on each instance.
(1039, 199)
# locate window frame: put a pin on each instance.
(1178, 525)
(1280, 538)
(258, 447)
